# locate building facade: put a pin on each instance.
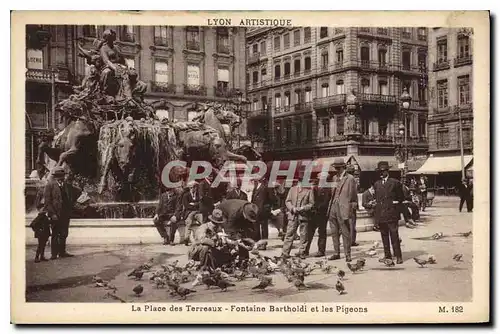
(300, 80)
(450, 123)
(181, 65)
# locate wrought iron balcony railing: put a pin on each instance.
(462, 60)
(329, 101)
(258, 113)
(377, 99)
(441, 65)
(195, 90)
(163, 87)
(303, 106)
(224, 92)
(253, 58)
(39, 75)
(419, 104)
(193, 45)
(161, 41)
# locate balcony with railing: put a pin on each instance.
(193, 45)
(462, 60)
(198, 90)
(377, 138)
(303, 107)
(224, 49)
(163, 87)
(329, 101)
(224, 92)
(253, 58)
(377, 99)
(259, 113)
(406, 34)
(382, 31)
(161, 41)
(419, 105)
(422, 38)
(38, 75)
(440, 65)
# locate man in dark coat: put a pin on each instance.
(261, 196)
(206, 193)
(241, 217)
(389, 198)
(166, 215)
(59, 198)
(322, 197)
(236, 192)
(191, 212)
(466, 195)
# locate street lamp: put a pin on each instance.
(405, 106)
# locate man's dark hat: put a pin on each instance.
(339, 162)
(250, 211)
(217, 217)
(383, 165)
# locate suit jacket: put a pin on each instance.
(167, 205)
(233, 194)
(345, 192)
(385, 195)
(322, 198)
(236, 226)
(366, 198)
(187, 198)
(465, 191)
(206, 194)
(300, 198)
(263, 199)
(59, 201)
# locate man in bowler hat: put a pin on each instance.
(389, 198)
(341, 208)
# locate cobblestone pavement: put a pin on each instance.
(70, 280)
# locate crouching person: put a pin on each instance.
(165, 217)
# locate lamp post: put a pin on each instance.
(405, 106)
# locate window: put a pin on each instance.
(442, 47)
(365, 86)
(405, 83)
(308, 95)
(277, 101)
(193, 75)
(406, 60)
(263, 73)
(338, 31)
(325, 90)
(340, 56)
(340, 125)
(193, 38)
(308, 126)
(340, 87)
(324, 60)
(307, 35)
(128, 34)
(442, 93)
(382, 31)
(161, 72)
(406, 33)
(463, 47)
(382, 127)
(288, 130)
(287, 99)
(223, 41)
(325, 127)
(323, 32)
(277, 71)
(307, 64)
(296, 38)
(287, 69)
(382, 57)
(443, 138)
(422, 34)
(421, 126)
(463, 90)
(467, 137)
(161, 35)
(130, 62)
(277, 43)
(255, 48)
(255, 104)
(298, 96)
(247, 78)
(298, 131)
(223, 79)
(263, 47)
(286, 41)
(365, 127)
(383, 88)
(255, 77)
(263, 100)
(365, 56)
(90, 31)
(296, 66)
(422, 61)
(422, 96)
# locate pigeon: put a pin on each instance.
(375, 245)
(458, 257)
(160, 282)
(341, 274)
(353, 267)
(327, 269)
(138, 290)
(321, 263)
(96, 279)
(371, 252)
(361, 263)
(466, 234)
(183, 292)
(420, 262)
(388, 262)
(265, 281)
(340, 287)
(431, 259)
(299, 284)
(223, 284)
(137, 273)
(437, 236)
(240, 275)
(208, 280)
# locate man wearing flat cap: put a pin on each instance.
(59, 198)
(389, 198)
(342, 204)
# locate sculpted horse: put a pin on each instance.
(224, 121)
(74, 148)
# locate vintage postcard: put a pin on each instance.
(250, 167)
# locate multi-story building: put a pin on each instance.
(300, 80)
(182, 65)
(450, 106)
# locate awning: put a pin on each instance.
(368, 163)
(435, 165)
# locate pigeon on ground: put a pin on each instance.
(341, 274)
(361, 263)
(265, 281)
(327, 269)
(183, 292)
(431, 259)
(458, 257)
(437, 236)
(420, 262)
(388, 262)
(353, 267)
(96, 279)
(466, 234)
(138, 289)
(299, 284)
(223, 284)
(137, 273)
(371, 252)
(340, 287)
(208, 280)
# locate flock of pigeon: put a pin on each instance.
(172, 276)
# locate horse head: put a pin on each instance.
(227, 116)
